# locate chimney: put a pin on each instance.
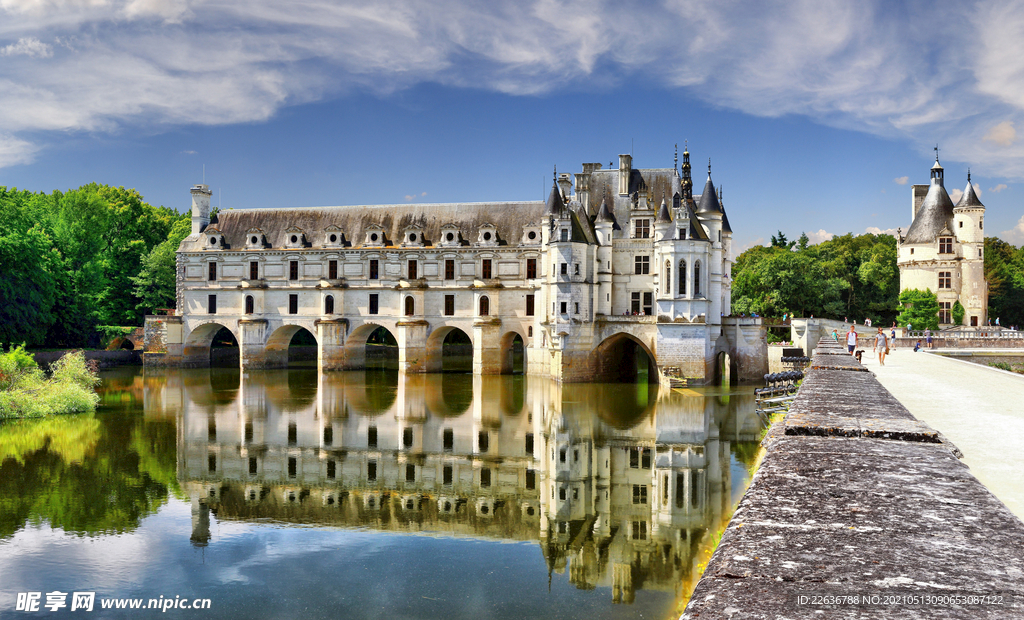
(625, 166)
(917, 193)
(565, 185)
(200, 208)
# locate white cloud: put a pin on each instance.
(819, 236)
(1002, 134)
(874, 230)
(190, 152)
(1016, 234)
(14, 151)
(159, 63)
(901, 180)
(998, 188)
(28, 46)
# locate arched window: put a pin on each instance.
(668, 278)
(250, 305)
(696, 278)
(329, 304)
(410, 306)
(485, 306)
(681, 291)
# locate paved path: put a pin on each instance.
(979, 409)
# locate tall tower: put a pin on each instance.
(200, 207)
(968, 228)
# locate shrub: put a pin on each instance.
(26, 392)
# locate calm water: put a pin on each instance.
(366, 495)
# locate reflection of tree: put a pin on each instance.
(85, 474)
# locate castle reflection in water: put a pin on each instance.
(617, 482)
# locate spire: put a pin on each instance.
(970, 197)
(555, 204)
(687, 183)
(709, 202)
(675, 160)
(605, 214)
(663, 216)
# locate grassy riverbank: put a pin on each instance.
(27, 392)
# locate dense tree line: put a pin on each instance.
(855, 277)
(73, 260)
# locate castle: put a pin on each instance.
(618, 270)
(944, 249)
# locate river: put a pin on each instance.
(370, 495)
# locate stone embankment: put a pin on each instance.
(859, 510)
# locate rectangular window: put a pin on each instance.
(694, 488)
(529, 305)
(639, 493)
(485, 477)
(407, 437)
(374, 303)
(640, 458)
(680, 490)
(412, 270)
(371, 471)
(448, 441)
(648, 308)
(374, 267)
(531, 268)
(641, 265)
(945, 245)
(332, 270)
(483, 441)
(449, 269)
(293, 467)
(328, 435)
(254, 270)
(293, 434)
(253, 466)
(531, 479)
(293, 304)
(945, 281)
(293, 270)
(565, 269)
(331, 469)
(642, 229)
(485, 269)
(563, 307)
(446, 475)
(565, 234)
(410, 473)
(211, 304)
(213, 272)
(577, 307)
(449, 305)
(945, 312)
(248, 432)
(211, 462)
(639, 530)
(634, 303)
(371, 437)
(529, 443)
(211, 431)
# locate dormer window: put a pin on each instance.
(334, 237)
(294, 237)
(374, 236)
(531, 235)
(413, 237)
(642, 228)
(487, 235)
(255, 239)
(214, 238)
(450, 236)
(945, 245)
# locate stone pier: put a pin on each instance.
(859, 510)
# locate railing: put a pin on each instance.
(965, 334)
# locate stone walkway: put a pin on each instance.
(979, 409)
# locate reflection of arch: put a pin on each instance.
(448, 395)
(199, 344)
(436, 350)
(276, 351)
(512, 394)
(513, 353)
(624, 358)
(372, 392)
(725, 371)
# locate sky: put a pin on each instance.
(817, 115)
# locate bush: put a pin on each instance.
(26, 392)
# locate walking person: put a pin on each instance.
(881, 345)
(851, 339)
(928, 337)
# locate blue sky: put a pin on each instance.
(817, 115)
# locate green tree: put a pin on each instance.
(920, 309)
(1004, 270)
(803, 242)
(780, 241)
(154, 287)
(958, 313)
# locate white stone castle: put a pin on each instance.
(944, 249)
(623, 269)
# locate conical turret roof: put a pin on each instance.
(555, 204)
(605, 214)
(970, 198)
(663, 215)
(936, 213)
(709, 199)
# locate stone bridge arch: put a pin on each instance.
(623, 357)
(198, 343)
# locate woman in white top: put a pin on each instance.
(851, 339)
(881, 345)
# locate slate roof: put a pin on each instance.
(935, 214)
(970, 198)
(709, 199)
(510, 219)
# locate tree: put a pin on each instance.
(803, 242)
(920, 309)
(156, 283)
(1004, 270)
(780, 241)
(958, 313)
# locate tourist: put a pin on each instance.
(835, 334)
(917, 347)
(851, 339)
(881, 346)
(867, 322)
(997, 321)
(892, 335)
(928, 337)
